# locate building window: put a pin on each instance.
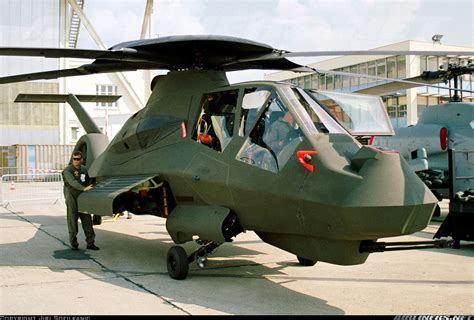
(307, 82)
(391, 67)
(432, 64)
(402, 111)
(330, 82)
(372, 70)
(354, 82)
(315, 81)
(337, 81)
(74, 133)
(381, 68)
(345, 79)
(301, 82)
(322, 82)
(106, 90)
(396, 106)
(401, 68)
(433, 100)
(363, 70)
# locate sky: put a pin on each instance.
(294, 25)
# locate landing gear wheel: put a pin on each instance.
(177, 263)
(306, 262)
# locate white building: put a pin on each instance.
(403, 106)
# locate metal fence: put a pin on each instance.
(15, 170)
(31, 187)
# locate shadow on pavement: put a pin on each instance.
(233, 285)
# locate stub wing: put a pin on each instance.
(100, 199)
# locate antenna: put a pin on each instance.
(437, 38)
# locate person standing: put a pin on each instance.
(76, 181)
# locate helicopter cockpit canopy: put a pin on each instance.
(359, 114)
(276, 117)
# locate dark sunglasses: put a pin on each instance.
(76, 158)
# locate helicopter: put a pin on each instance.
(440, 127)
(216, 159)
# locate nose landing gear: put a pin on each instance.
(178, 261)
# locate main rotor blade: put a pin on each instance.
(374, 53)
(45, 75)
(85, 69)
(60, 98)
(401, 81)
(280, 54)
(397, 85)
(121, 54)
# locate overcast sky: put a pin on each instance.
(294, 25)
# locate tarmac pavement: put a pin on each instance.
(40, 274)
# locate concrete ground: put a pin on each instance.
(39, 274)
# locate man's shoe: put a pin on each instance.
(92, 247)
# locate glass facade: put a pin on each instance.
(392, 67)
(29, 23)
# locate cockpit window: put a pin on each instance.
(253, 101)
(215, 124)
(314, 117)
(359, 114)
(310, 114)
(273, 139)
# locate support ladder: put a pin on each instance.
(75, 24)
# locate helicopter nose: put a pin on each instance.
(394, 201)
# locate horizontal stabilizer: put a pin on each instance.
(86, 121)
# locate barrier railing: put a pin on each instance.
(31, 187)
(24, 170)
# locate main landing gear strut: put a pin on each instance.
(178, 261)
